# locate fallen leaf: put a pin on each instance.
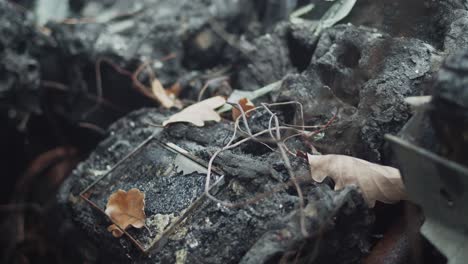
(301, 154)
(239, 94)
(198, 113)
(246, 105)
(163, 97)
(126, 209)
(376, 182)
(175, 89)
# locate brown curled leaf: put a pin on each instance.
(167, 100)
(175, 89)
(126, 209)
(376, 182)
(246, 105)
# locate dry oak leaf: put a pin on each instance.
(376, 182)
(246, 105)
(198, 113)
(175, 89)
(167, 100)
(126, 209)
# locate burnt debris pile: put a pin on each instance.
(87, 88)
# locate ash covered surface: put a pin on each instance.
(255, 233)
(70, 83)
(361, 75)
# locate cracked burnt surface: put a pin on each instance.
(255, 233)
(362, 75)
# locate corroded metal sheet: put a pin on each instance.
(162, 171)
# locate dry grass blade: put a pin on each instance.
(377, 182)
(125, 209)
(198, 113)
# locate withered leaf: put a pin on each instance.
(175, 89)
(198, 113)
(376, 182)
(246, 105)
(125, 209)
(166, 100)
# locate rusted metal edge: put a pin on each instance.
(158, 243)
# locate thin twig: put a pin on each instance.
(92, 127)
(301, 110)
(289, 137)
(281, 146)
(229, 145)
(246, 124)
(228, 38)
(304, 127)
(99, 91)
(288, 166)
(210, 82)
(138, 85)
(325, 126)
(63, 88)
(154, 125)
(284, 156)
